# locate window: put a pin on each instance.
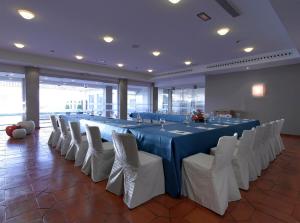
(138, 99)
(163, 100)
(185, 101)
(11, 103)
(61, 95)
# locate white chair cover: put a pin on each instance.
(243, 158)
(55, 134)
(65, 137)
(268, 142)
(209, 180)
(280, 144)
(99, 157)
(139, 175)
(261, 154)
(78, 146)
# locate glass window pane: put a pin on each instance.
(138, 99)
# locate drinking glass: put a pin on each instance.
(162, 122)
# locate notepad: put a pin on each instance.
(125, 126)
(180, 132)
(221, 125)
(206, 128)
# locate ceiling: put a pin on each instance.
(76, 27)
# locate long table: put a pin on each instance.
(158, 116)
(173, 144)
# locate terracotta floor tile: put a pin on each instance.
(202, 214)
(243, 211)
(182, 209)
(139, 214)
(39, 185)
(157, 209)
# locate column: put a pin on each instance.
(108, 101)
(123, 98)
(170, 101)
(32, 95)
(154, 98)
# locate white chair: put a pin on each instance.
(243, 160)
(268, 142)
(99, 157)
(280, 144)
(65, 137)
(139, 175)
(209, 180)
(55, 134)
(254, 164)
(261, 155)
(78, 146)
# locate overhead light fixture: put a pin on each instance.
(26, 14)
(223, 31)
(79, 57)
(188, 62)
(174, 1)
(108, 39)
(19, 45)
(248, 49)
(120, 65)
(150, 70)
(204, 16)
(156, 53)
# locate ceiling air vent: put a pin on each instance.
(228, 8)
(263, 58)
(178, 72)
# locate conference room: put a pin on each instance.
(149, 111)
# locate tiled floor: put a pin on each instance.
(38, 185)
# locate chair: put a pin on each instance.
(243, 160)
(99, 158)
(139, 175)
(78, 146)
(65, 137)
(268, 141)
(280, 144)
(55, 134)
(209, 180)
(261, 155)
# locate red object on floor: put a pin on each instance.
(9, 129)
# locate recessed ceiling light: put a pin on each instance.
(26, 14)
(156, 53)
(174, 1)
(120, 65)
(223, 31)
(248, 49)
(19, 45)
(247, 68)
(108, 39)
(79, 57)
(150, 70)
(188, 62)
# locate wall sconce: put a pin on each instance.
(258, 90)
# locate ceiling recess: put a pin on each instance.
(204, 16)
(228, 8)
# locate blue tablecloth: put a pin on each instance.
(173, 147)
(106, 126)
(157, 116)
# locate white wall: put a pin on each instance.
(282, 99)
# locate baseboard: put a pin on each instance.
(290, 136)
